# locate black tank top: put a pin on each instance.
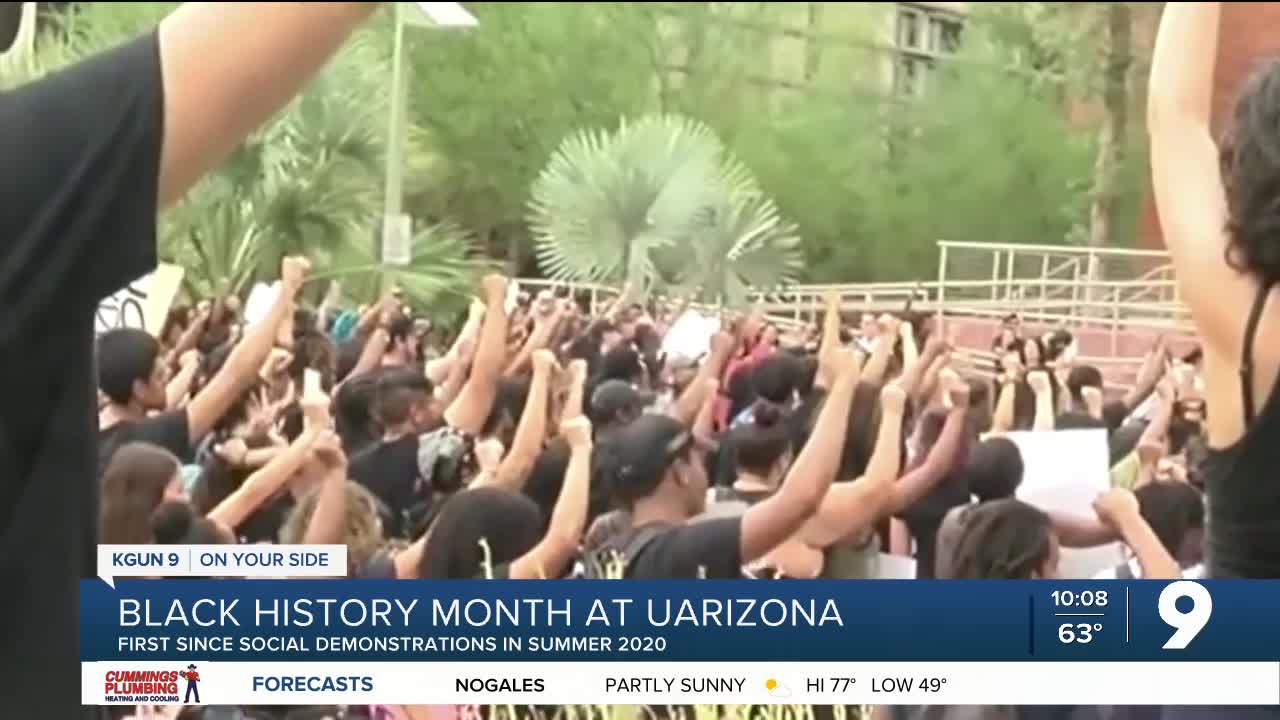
(1242, 500)
(1242, 496)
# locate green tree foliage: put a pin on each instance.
(493, 104)
(310, 182)
(659, 202)
(985, 155)
(872, 181)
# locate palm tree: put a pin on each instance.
(658, 202)
(310, 182)
(442, 274)
(743, 244)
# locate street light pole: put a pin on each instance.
(396, 247)
(391, 250)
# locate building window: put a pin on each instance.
(922, 36)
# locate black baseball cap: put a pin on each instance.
(643, 451)
(613, 397)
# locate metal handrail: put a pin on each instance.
(1054, 249)
(1065, 294)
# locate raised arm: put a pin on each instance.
(766, 524)
(264, 482)
(1082, 532)
(438, 370)
(459, 368)
(693, 398)
(549, 558)
(240, 372)
(210, 107)
(376, 315)
(328, 522)
(1149, 375)
(1153, 443)
(851, 507)
(1002, 418)
(371, 354)
(1119, 509)
(472, 407)
(910, 351)
(938, 360)
(190, 337)
(531, 431)
(916, 365)
(178, 387)
(1186, 171)
(1043, 389)
(543, 328)
(943, 455)
(829, 346)
(878, 363)
(577, 389)
(704, 426)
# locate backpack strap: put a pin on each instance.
(1246, 359)
(627, 546)
(638, 541)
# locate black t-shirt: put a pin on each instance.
(79, 182)
(925, 518)
(711, 549)
(390, 471)
(171, 431)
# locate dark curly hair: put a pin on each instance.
(1249, 155)
(1002, 540)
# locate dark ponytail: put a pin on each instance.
(761, 444)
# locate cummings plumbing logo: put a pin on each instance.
(153, 686)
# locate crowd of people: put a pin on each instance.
(548, 438)
(556, 439)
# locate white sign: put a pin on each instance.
(239, 561)
(895, 567)
(143, 304)
(690, 337)
(1065, 472)
(261, 299)
(397, 240)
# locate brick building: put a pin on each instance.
(1250, 34)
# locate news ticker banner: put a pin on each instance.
(234, 561)
(286, 641)
(677, 683)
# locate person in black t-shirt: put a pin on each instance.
(405, 407)
(132, 375)
(91, 154)
(660, 478)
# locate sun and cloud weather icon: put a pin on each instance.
(777, 689)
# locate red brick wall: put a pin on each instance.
(1250, 33)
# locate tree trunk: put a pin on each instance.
(1112, 141)
(813, 46)
(1113, 135)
